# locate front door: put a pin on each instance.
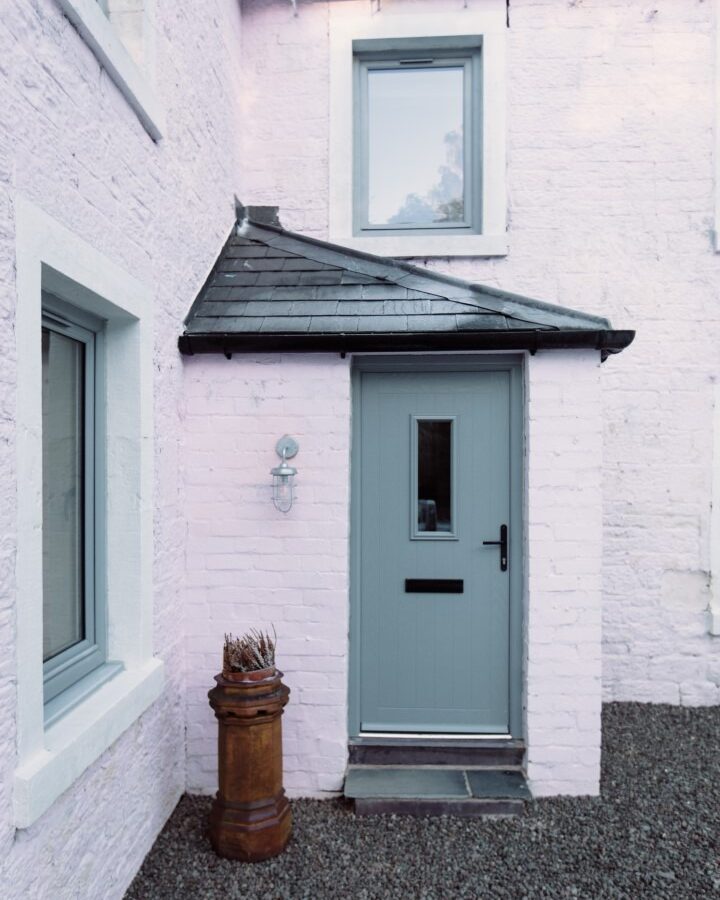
(433, 605)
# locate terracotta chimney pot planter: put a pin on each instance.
(250, 817)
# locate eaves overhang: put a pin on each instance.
(272, 290)
(606, 341)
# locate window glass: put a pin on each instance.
(63, 415)
(415, 146)
(434, 468)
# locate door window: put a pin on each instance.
(433, 488)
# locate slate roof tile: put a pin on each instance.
(306, 265)
(277, 278)
(431, 323)
(254, 251)
(286, 324)
(327, 276)
(347, 292)
(268, 308)
(264, 264)
(324, 308)
(294, 292)
(270, 281)
(336, 324)
(236, 278)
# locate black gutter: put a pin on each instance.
(605, 340)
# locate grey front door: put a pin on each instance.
(433, 601)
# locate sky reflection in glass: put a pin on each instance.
(415, 146)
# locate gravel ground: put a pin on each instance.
(654, 833)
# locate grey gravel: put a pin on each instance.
(655, 832)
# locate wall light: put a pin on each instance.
(284, 475)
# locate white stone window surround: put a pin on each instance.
(136, 84)
(50, 256)
(354, 22)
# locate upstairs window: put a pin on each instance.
(418, 141)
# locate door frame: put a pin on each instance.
(514, 366)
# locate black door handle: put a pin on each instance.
(502, 544)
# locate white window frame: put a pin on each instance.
(50, 759)
(136, 84)
(350, 25)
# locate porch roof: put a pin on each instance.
(274, 290)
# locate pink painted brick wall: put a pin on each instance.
(563, 572)
(249, 565)
(611, 115)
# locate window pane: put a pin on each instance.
(434, 468)
(63, 365)
(415, 146)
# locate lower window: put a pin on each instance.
(74, 620)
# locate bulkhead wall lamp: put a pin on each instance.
(284, 475)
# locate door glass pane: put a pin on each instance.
(63, 365)
(415, 146)
(434, 467)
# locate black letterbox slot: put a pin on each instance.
(434, 586)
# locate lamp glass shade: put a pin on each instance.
(283, 478)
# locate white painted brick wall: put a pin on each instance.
(563, 572)
(249, 565)
(71, 144)
(611, 111)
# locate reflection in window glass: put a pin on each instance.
(415, 146)
(63, 364)
(434, 467)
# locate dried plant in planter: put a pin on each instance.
(253, 651)
(250, 817)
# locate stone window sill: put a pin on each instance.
(77, 739)
(133, 84)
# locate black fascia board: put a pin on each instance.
(607, 341)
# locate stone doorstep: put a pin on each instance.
(440, 790)
(467, 754)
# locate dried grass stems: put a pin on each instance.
(254, 650)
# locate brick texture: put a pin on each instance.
(71, 144)
(611, 110)
(563, 572)
(249, 565)
(611, 116)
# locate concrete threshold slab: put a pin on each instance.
(406, 782)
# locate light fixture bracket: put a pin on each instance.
(287, 447)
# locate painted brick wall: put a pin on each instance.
(71, 144)
(563, 572)
(611, 111)
(249, 565)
